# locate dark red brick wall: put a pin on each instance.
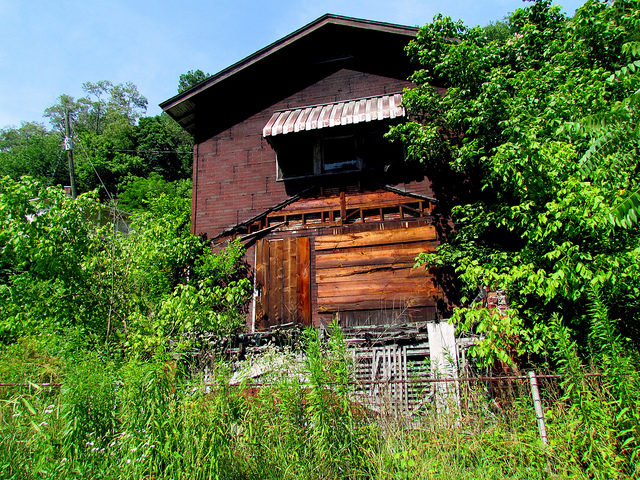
(234, 173)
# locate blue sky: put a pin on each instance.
(52, 47)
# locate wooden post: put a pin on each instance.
(405, 376)
(537, 405)
(443, 356)
(303, 281)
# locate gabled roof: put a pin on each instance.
(312, 52)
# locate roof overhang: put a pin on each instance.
(312, 52)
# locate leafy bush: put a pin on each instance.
(61, 269)
(136, 192)
(44, 241)
(531, 217)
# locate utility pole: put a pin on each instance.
(68, 146)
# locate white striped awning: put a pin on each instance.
(334, 114)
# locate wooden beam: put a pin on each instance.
(356, 272)
(290, 265)
(276, 290)
(378, 304)
(377, 289)
(262, 276)
(381, 237)
(304, 280)
(372, 255)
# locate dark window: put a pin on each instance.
(339, 154)
(295, 158)
(305, 155)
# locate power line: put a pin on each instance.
(95, 171)
(123, 150)
(117, 213)
(55, 168)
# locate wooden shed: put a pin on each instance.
(290, 155)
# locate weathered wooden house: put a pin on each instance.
(290, 155)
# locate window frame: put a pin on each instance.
(318, 158)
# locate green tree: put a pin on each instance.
(165, 146)
(532, 213)
(33, 150)
(104, 160)
(45, 239)
(616, 142)
(137, 192)
(497, 31)
(113, 142)
(64, 266)
(527, 218)
(103, 104)
(123, 151)
(190, 79)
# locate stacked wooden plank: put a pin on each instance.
(374, 270)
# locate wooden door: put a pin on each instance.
(283, 282)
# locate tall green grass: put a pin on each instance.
(150, 420)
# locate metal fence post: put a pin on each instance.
(537, 405)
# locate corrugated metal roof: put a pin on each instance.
(334, 114)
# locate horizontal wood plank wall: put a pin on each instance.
(364, 271)
(381, 237)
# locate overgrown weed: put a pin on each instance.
(149, 419)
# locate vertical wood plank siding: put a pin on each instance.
(283, 281)
(304, 280)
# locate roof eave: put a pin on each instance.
(281, 43)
